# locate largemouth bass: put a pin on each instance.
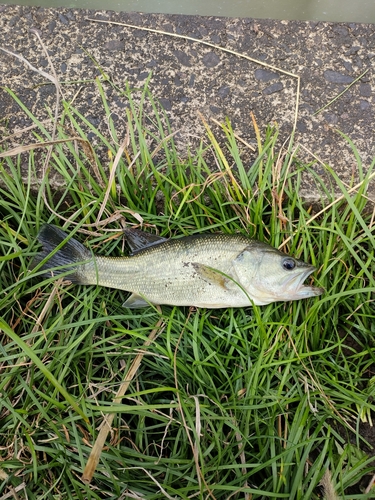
(206, 270)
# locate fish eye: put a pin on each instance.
(289, 264)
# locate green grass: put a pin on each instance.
(251, 403)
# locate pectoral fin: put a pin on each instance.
(135, 301)
(210, 275)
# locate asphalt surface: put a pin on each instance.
(188, 76)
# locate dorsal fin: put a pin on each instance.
(139, 240)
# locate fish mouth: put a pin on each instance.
(296, 289)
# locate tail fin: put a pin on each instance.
(70, 257)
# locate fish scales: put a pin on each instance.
(171, 272)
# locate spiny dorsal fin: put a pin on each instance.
(139, 240)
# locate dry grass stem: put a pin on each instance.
(108, 419)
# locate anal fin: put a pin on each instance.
(135, 302)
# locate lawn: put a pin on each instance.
(256, 403)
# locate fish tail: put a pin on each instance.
(69, 259)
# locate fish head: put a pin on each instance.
(268, 275)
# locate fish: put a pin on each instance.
(206, 270)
